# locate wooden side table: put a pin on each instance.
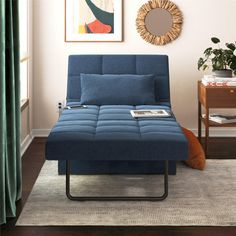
(213, 97)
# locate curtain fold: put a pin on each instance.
(10, 160)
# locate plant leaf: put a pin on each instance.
(205, 67)
(231, 46)
(217, 51)
(215, 40)
(208, 51)
(200, 63)
(232, 65)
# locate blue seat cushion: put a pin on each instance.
(109, 132)
(117, 89)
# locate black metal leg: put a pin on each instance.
(116, 198)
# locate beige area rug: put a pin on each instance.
(197, 198)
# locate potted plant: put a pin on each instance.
(222, 60)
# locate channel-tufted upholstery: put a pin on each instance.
(107, 139)
(111, 133)
(119, 64)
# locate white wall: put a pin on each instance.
(202, 20)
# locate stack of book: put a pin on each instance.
(221, 119)
(218, 81)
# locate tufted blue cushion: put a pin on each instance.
(117, 89)
(79, 133)
(101, 133)
(119, 64)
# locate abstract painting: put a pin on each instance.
(93, 20)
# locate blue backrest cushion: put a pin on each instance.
(117, 89)
(119, 64)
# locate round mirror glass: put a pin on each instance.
(158, 21)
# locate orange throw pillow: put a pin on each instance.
(196, 158)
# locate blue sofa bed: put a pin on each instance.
(105, 138)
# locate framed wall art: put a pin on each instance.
(93, 20)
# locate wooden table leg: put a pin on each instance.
(199, 122)
(206, 131)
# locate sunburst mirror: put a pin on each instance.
(159, 22)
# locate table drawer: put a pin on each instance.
(221, 97)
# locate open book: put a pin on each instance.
(150, 113)
(221, 119)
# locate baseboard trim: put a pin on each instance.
(40, 132)
(25, 143)
(29, 138)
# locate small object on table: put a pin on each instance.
(75, 107)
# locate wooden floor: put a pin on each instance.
(33, 159)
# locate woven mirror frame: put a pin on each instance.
(170, 35)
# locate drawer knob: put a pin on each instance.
(232, 91)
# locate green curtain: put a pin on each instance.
(10, 160)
